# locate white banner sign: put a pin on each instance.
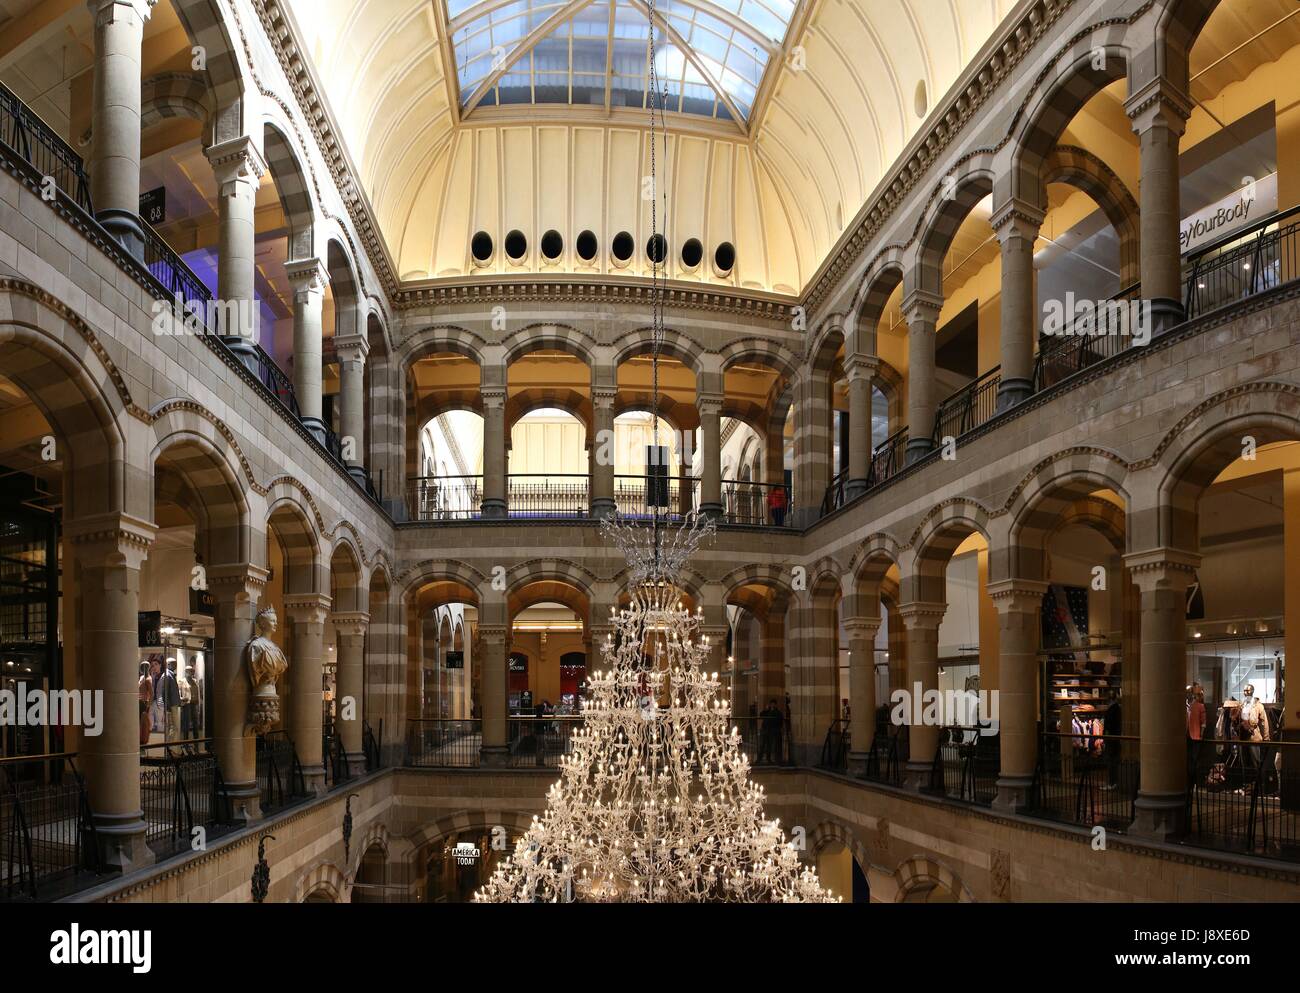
(1243, 208)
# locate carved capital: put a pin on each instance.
(351, 347)
(920, 616)
(307, 276)
(350, 622)
(1162, 569)
(922, 307)
(1017, 595)
(307, 608)
(1159, 104)
(236, 161)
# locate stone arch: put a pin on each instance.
(830, 338)
(443, 338)
(958, 192)
(346, 590)
(441, 571)
(549, 338)
(1042, 498)
(376, 834)
(1102, 516)
(323, 878)
(466, 820)
(170, 95)
(1196, 449)
(922, 872)
(60, 365)
(299, 542)
(226, 74)
(550, 570)
(1081, 169)
(286, 165)
(756, 574)
(867, 569)
(681, 417)
(675, 344)
(759, 351)
(1052, 106)
(877, 286)
(344, 286)
(934, 541)
(204, 464)
(1177, 27)
(829, 831)
(526, 401)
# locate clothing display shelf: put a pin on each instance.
(1082, 677)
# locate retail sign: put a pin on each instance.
(1242, 208)
(153, 205)
(466, 853)
(149, 623)
(518, 663)
(201, 603)
(454, 660)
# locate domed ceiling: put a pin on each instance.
(511, 137)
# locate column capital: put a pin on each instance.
(493, 396)
(1016, 218)
(604, 397)
(919, 615)
(307, 608)
(861, 627)
(922, 305)
(350, 622)
(237, 581)
(102, 9)
(711, 401)
(1011, 596)
(493, 632)
(351, 347)
(1159, 103)
(1162, 568)
(307, 275)
(112, 534)
(859, 366)
(236, 160)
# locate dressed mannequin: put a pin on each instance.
(145, 686)
(188, 687)
(266, 664)
(170, 694)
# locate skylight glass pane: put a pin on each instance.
(589, 55)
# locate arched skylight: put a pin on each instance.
(710, 54)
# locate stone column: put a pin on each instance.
(1162, 575)
(115, 118)
(236, 590)
(860, 369)
(710, 408)
(352, 350)
(922, 312)
(107, 553)
(238, 168)
(921, 624)
(813, 445)
(492, 654)
(494, 454)
(603, 455)
(1019, 604)
(861, 633)
(1017, 224)
(306, 673)
(771, 671)
(350, 636)
(308, 278)
(1159, 112)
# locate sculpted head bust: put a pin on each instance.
(266, 621)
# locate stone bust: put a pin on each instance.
(266, 664)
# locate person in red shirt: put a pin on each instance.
(776, 504)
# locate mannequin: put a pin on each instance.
(188, 687)
(170, 695)
(145, 686)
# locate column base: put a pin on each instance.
(315, 427)
(494, 510)
(1159, 816)
(356, 764)
(244, 350)
(243, 802)
(1013, 793)
(918, 448)
(125, 229)
(602, 507)
(494, 756)
(858, 763)
(1012, 392)
(853, 489)
(313, 777)
(358, 472)
(713, 511)
(917, 776)
(121, 841)
(1165, 314)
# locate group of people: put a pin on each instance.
(170, 702)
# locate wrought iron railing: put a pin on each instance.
(541, 741)
(47, 834)
(835, 747)
(547, 495)
(764, 741)
(1245, 797)
(35, 143)
(442, 743)
(833, 499)
(1091, 337)
(968, 408)
(1086, 779)
(887, 757)
(445, 498)
(673, 496)
(887, 458)
(279, 773)
(180, 789)
(755, 504)
(371, 744)
(966, 765)
(1244, 263)
(177, 279)
(335, 759)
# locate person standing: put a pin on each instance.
(769, 739)
(145, 688)
(776, 505)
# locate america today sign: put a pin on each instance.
(1241, 208)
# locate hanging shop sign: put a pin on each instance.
(201, 603)
(153, 205)
(1241, 209)
(149, 623)
(518, 663)
(454, 660)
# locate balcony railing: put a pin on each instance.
(180, 789)
(755, 504)
(444, 744)
(764, 742)
(1107, 331)
(673, 496)
(34, 142)
(1086, 779)
(279, 773)
(966, 765)
(834, 498)
(547, 495)
(1243, 264)
(445, 498)
(47, 834)
(541, 741)
(968, 408)
(835, 747)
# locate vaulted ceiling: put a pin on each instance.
(528, 116)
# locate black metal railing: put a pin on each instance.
(755, 504)
(371, 744)
(764, 742)
(445, 498)
(966, 765)
(47, 834)
(833, 499)
(547, 495)
(335, 759)
(1265, 255)
(178, 281)
(540, 741)
(180, 789)
(1092, 336)
(1086, 779)
(1245, 797)
(36, 143)
(887, 458)
(968, 408)
(887, 757)
(835, 747)
(442, 743)
(279, 773)
(673, 497)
